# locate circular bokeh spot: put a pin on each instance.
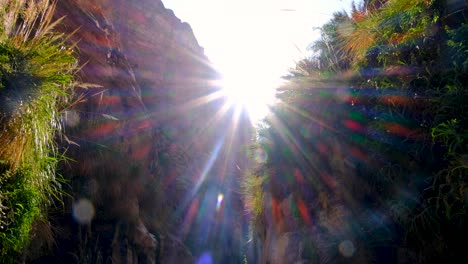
(83, 211)
(71, 118)
(260, 156)
(346, 248)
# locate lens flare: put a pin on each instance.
(205, 258)
(83, 211)
(260, 156)
(346, 248)
(219, 201)
(71, 118)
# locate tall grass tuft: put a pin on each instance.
(36, 81)
(394, 24)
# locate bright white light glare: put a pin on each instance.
(219, 202)
(255, 53)
(250, 93)
(253, 43)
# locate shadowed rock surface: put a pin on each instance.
(151, 148)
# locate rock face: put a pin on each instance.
(152, 148)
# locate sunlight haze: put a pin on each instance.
(253, 43)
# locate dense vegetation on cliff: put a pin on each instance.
(364, 157)
(36, 74)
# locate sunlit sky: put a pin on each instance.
(254, 42)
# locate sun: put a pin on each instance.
(251, 94)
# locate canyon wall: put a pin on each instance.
(152, 145)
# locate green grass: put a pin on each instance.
(253, 194)
(36, 81)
